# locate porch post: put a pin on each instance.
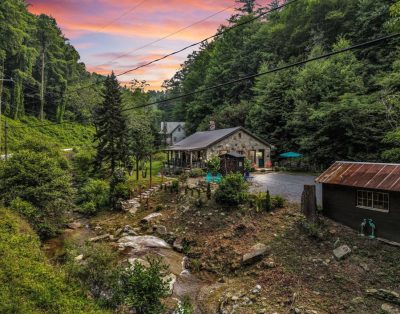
(168, 160)
(191, 160)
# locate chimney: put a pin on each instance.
(212, 126)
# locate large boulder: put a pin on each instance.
(141, 243)
(341, 252)
(150, 218)
(255, 254)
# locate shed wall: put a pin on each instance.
(339, 203)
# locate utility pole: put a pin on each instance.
(6, 140)
(1, 91)
(41, 114)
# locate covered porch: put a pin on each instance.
(185, 159)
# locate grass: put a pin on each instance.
(28, 283)
(144, 183)
(64, 135)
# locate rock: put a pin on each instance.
(357, 300)
(178, 245)
(161, 230)
(296, 310)
(255, 253)
(256, 290)
(100, 237)
(386, 295)
(142, 262)
(341, 252)
(364, 266)
(79, 258)
(148, 219)
(118, 232)
(74, 225)
(390, 309)
(141, 243)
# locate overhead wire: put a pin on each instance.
(275, 70)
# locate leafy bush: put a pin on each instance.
(143, 288)
(82, 163)
(267, 202)
(196, 173)
(28, 283)
(214, 164)
(248, 167)
(277, 201)
(185, 307)
(119, 187)
(94, 196)
(233, 190)
(40, 179)
(175, 186)
(98, 273)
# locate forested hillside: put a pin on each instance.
(343, 107)
(44, 67)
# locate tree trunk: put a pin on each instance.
(309, 203)
(137, 168)
(41, 114)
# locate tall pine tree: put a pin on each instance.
(111, 129)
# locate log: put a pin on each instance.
(309, 203)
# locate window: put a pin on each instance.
(373, 200)
(179, 129)
(240, 135)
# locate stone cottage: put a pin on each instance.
(195, 150)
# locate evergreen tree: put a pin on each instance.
(247, 6)
(111, 128)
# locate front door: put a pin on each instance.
(261, 157)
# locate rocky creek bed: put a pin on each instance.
(243, 262)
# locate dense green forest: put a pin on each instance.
(345, 107)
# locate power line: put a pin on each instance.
(169, 35)
(277, 69)
(296, 64)
(223, 31)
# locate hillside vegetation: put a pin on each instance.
(345, 107)
(69, 135)
(28, 283)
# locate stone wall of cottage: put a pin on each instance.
(243, 143)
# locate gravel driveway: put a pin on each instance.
(289, 185)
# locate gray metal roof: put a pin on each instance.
(200, 140)
(171, 126)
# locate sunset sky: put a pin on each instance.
(107, 32)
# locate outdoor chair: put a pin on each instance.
(209, 178)
(218, 178)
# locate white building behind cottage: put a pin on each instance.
(172, 132)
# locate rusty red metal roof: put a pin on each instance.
(363, 175)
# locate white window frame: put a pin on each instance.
(370, 196)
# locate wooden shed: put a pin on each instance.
(354, 193)
(232, 162)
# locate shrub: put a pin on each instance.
(175, 186)
(119, 187)
(98, 273)
(28, 282)
(40, 179)
(277, 201)
(247, 165)
(233, 190)
(143, 288)
(82, 164)
(267, 203)
(214, 164)
(185, 306)
(95, 192)
(196, 172)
